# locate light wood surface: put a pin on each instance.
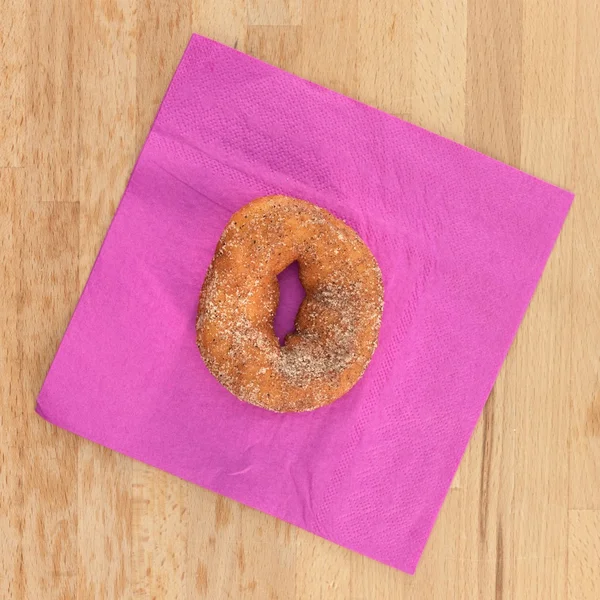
(80, 83)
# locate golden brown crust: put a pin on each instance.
(337, 325)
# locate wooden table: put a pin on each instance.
(80, 83)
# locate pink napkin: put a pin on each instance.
(461, 240)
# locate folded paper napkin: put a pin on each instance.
(461, 240)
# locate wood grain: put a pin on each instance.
(80, 83)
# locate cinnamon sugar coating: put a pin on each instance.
(338, 322)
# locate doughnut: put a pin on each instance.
(337, 325)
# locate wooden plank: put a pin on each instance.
(53, 101)
(323, 570)
(584, 550)
(159, 501)
(279, 46)
(439, 67)
(493, 80)
(214, 530)
(223, 20)
(541, 482)
(274, 12)
(104, 511)
(584, 463)
(105, 35)
(14, 83)
(385, 56)
(48, 243)
(155, 63)
(329, 53)
(159, 534)
(492, 125)
(13, 183)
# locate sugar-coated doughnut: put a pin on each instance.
(338, 322)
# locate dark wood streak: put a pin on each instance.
(592, 421)
(486, 460)
(499, 563)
